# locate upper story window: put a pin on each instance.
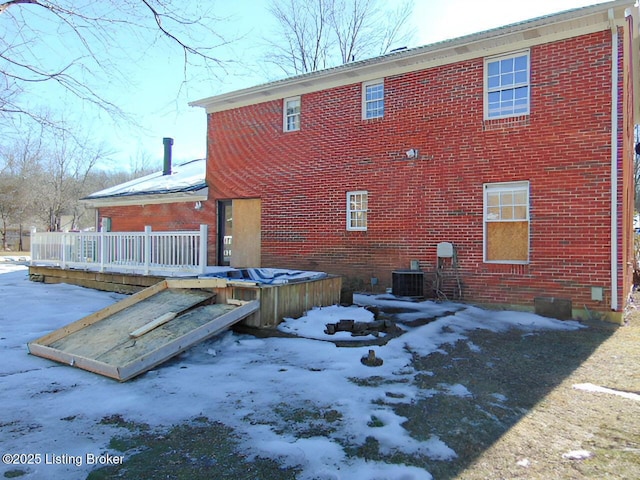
(291, 114)
(507, 88)
(373, 99)
(506, 222)
(357, 206)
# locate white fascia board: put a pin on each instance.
(155, 199)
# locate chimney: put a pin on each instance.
(166, 169)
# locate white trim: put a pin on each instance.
(285, 115)
(499, 187)
(485, 79)
(365, 85)
(349, 210)
(614, 161)
(147, 199)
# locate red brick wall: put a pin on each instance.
(562, 148)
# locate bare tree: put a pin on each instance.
(304, 29)
(318, 34)
(19, 166)
(67, 168)
(73, 46)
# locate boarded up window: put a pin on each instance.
(506, 207)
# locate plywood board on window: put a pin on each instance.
(508, 241)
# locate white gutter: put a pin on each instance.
(614, 160)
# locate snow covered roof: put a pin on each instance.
(186, 183)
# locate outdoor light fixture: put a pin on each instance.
(412, 153)
(198, 205)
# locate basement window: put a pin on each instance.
(291, 114)
(506, 222)
(357, 206)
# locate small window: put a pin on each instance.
(373, 99)
(507, 88)
(506, 222)
(291, 121)
(357, 204)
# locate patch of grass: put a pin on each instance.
(376, 381)
(200, 450)
(118, 421)
(375, 422)
(14, 473)
(305, 422)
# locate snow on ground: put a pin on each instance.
(52, 409)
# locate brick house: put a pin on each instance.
(512, 147)
(168, 200)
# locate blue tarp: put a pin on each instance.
(267, 276)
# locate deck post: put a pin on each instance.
(203, 248)
(31, 245)
(103, 249)
(63, 257)
(147, 248)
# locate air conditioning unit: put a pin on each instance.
(408, 283)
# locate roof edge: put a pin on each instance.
(142, 199)
(503, 39)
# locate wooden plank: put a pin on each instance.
(101, 337)
(101, 314)
(78, 361)
(234, 301)
(163, 353)
(212, 282)
(161, 320)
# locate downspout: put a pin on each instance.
(614, 161)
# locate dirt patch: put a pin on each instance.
(564, 419)
(523, 416)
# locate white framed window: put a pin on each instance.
(357, 206)
(507, 91)
(291, 114)
(373, 99)
(506, 222)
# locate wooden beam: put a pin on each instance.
(161, 320)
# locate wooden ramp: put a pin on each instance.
(144, 330)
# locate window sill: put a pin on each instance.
(507, 268)
(505, 123)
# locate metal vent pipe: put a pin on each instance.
(166, 169)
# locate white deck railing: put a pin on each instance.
(145, 253)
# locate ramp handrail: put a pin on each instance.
(145, 253)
